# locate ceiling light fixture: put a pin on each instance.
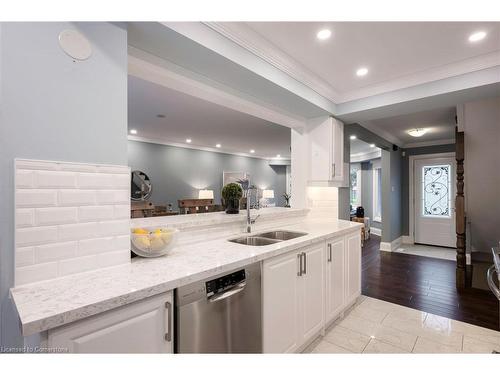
(417, 132)
(278, 156)
(188, 140)
(324, 34)
(252, 151)
(477, 36)
(218, 145)
(133, 131)
(352, 137)
(372, 145)
(362, 72)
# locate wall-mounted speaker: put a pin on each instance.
(395, 148)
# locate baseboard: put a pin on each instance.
(408, 240)
(391, 246)
(376, 231)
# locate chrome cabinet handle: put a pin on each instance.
(305, 263)
(329, 252)
(168, 323)
(334, 171)
(228, 293)
(299, 258)
(491, 283)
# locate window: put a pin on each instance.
(435, 190)
(355, 173)
(377, 192)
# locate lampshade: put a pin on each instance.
(268, 194)
(206, 194)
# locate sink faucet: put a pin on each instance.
(245, 184)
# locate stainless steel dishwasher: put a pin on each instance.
(221, 314)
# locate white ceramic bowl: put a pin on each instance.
(155, 243)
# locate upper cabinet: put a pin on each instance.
(326, 140)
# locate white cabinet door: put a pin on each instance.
(141, 327)
(312, 291)
(353, 257)
(335, 278)
(280, 303)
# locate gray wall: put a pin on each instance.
(55, 109)
(178, 173)
(482, 172)
(367, 191)
(405, 193)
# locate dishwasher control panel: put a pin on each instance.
(223, 283)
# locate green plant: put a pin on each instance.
(232, 191)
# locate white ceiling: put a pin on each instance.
(360, 147)
(205, 123)
(396, 53)
(439, 122)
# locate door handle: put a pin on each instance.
(329, 252)
(168, 321)
(305, 263)
(299, 259)
(489, 276)
(228, 293)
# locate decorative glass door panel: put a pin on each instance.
(436, 188)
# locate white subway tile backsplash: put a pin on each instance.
(25, 256)
(35, 198)
(56, 215)
(24, 179)
(25, 217)
(95, 181)
(70, 217)
(55, 179)
(75, 197)
(35, 272)
(78, 231)
(98, 245)
(113, 196)
(55, 251)
(35, 235)
(95, 213)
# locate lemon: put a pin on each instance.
(142, 243)
(140, 231)
(157, 244)
(157, 231)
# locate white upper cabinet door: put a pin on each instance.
(312, 290)
(335, 278)
(141, 327)
(280, 303)
(326, 138)
(353, 257)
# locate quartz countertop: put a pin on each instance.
(45, 305)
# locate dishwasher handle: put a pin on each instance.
(491, 283)
(228, 293)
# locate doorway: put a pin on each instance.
(433, 191)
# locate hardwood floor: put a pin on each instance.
(423, 283)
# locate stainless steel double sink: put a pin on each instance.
(267, 238)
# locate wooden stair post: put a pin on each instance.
(461, 272)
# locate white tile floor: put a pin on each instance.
(428, 251)
(375, 326)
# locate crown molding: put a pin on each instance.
(199, 148)
(364, 156)
(381, 132)
(430, 143)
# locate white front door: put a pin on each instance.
(434, 204)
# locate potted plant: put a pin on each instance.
(232, 193)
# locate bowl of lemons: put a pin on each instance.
(149, 242)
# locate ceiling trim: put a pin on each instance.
(381, 132)
(430, 143)
(253, 42)
(258, 45)
(154, 69)
(363, 156)
(195, 147)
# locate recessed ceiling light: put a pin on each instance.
(188, 140)
(278, 156)
(417, 132)
(352, 137)
(372, 145)
(323, 34)
(218, 145)
(252, 151)
(160, 116)
(362, 72)
(477, 36)
(133, 131)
